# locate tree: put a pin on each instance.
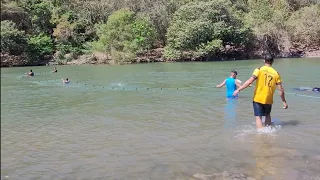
(124, 34)
(304, 26)
(13, 41)
(204, 28)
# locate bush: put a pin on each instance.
(70, 33)
(267, 20)
(40, 12)
(204, 28)
(13, 41)
(304, 26)
(124, 35)
(40, 46)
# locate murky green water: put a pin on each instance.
(115, 122)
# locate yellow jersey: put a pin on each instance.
(267, 80)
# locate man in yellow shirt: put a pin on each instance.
(267, 79)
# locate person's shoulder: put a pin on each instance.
(273, 71)
(257, 69)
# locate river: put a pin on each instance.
(156, 121)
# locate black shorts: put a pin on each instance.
(261, 109)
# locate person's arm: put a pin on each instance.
(247, 83)
(222, 84)
(281, 92)
(238, 83)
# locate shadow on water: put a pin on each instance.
(277, 121)
(290, 123)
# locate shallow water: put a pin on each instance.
(115, 122)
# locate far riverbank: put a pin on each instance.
(151, 56)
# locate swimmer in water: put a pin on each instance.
(30, 73)
(55, 70)
(308, 89)
(232, 83)
(65, 81)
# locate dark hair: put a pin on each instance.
(268, 59)
(30, 70)
(233, 71)
(67, 79)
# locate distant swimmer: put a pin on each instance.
(316, 89)
(232, 83)
(30, 73)
(308, 89)
(267, 79)
(65, 81)
(55, 70)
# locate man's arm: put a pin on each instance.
(222, 84)
(238, 83)
(247, 83)
(281, 92)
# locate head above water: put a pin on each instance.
(30, 70)
(67, 79)
(268, 59)
(234, 73)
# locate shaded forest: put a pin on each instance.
(35, 32)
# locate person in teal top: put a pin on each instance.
(231, 83)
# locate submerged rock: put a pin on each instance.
(223, 176)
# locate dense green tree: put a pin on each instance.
(304, 26)
(204, 28)
(124, 34)
(13, 41)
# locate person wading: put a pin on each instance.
(267, 80)
(231, 85)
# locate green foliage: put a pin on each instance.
(124, 35)
(70, 34)
(304, 26)
(144, 33)
(40, 45)
(205, 27)
(267, 20)
(40, 12)
(13, 41)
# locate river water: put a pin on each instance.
(156, 121)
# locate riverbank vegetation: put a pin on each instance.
(34, 32)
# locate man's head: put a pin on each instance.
(268, 59)
(234, 73)
(67, 79)
(30, 70)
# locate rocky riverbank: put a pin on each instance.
(153, 55)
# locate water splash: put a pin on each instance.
(248, 130)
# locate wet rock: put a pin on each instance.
(223, 176)
(100, 57)
(8, 60)
(70, 56)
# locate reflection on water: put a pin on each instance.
(230, 113)
(268, 162)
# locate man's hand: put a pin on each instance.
(285, 105)
(235, 92)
